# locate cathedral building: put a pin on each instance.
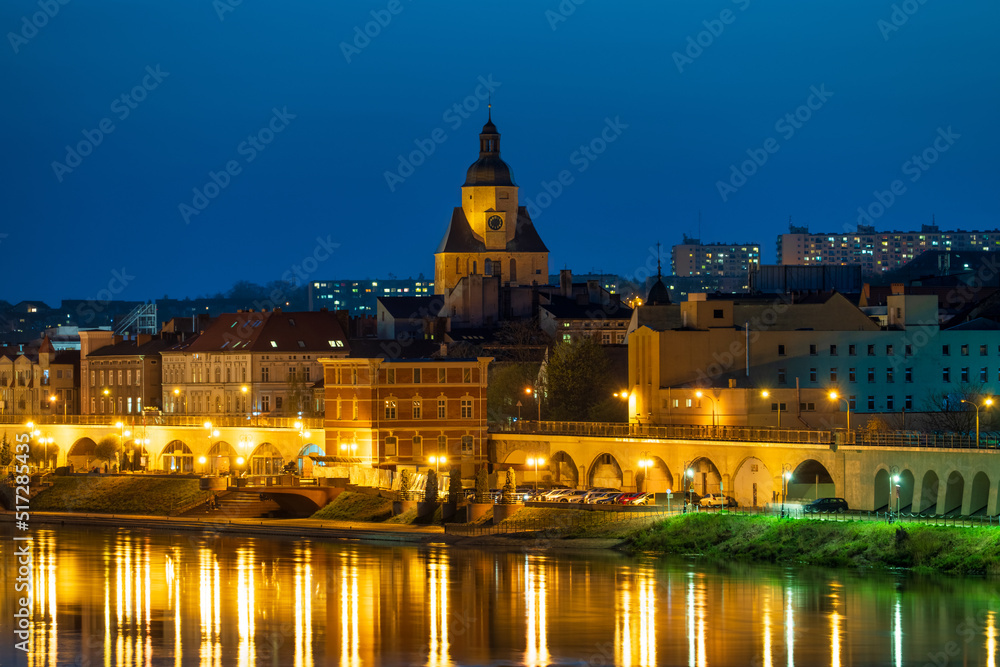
(490, 247)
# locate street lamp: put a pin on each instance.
(352, 448)
(536, 461)
(893, 481)
(988, 402)
(538, 401)
(122, 434)
(107, 394)
(645, 464)
(177, 399)
(701, 394)
(834, 396)
(786, 476)
(437, 461)
(766, 394)
(689, 480)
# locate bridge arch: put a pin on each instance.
(177, 457)
(221, 458)
(564, 470)
(953, 494)
(753, 483)
(980, 497)
(657, 478)
(927, 501)
(265, 460)
(707, 478)
(605, 471)
(810, 480)
(82, 454)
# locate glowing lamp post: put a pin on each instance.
(766, 394)
(437, 461)
(689, 480)
(701, 394)
(988, 402)
(786, 476)
(645, 465)
(834, 396)
(536, 461)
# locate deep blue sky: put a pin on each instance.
(324, 174)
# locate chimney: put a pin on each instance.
(117, 339)
(565, 282)
(897, 288)
(142, 339)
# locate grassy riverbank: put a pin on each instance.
(350, 506)
(855, 544)
(118, 495)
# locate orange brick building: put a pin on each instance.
(389, 413)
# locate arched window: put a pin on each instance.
(218, 374)
(488, 267)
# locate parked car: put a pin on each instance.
(717, 500)
(640, 498)
(572, 496)
(598, 492)
(611, 498)
(554, 494)
(826, 505)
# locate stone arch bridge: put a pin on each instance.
(912, 472)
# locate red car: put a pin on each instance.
(640, 498)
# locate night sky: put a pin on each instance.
(309, 117)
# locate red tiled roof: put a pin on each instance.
(271, 332)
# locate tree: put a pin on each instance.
(431, 490)
(945, 411)
(404, 484)
(6, 456)
(482, 486)
(505, 390)
(579, 378)
(454, 484)
(107, 449)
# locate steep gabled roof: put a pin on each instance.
(274, 331)
(460, 238)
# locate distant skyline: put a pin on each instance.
(212, 142)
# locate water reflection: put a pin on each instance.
(129, 598)
(537, 651)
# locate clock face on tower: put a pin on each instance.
(495, 222)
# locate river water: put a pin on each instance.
(126, 597)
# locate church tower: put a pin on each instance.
(490, 235)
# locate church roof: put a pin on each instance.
(489, 170)
(460, 237)
(658, 295)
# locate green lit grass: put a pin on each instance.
(118, 495)
(351, 506)
(854, 544)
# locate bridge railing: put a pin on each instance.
(218, 421)
(751, 434)
(678, 432)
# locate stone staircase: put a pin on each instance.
(235, 506)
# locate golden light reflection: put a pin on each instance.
(623, 633)
(43, 641)
(245, 606)
(133, 641)
(789, 627)
(991, 639)
(210, 651)
(766, 606)
(440, 649)
(349, 615)
(696, 602)
(647, 620)
(303, 608)
(537, 650)
(835, 619)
